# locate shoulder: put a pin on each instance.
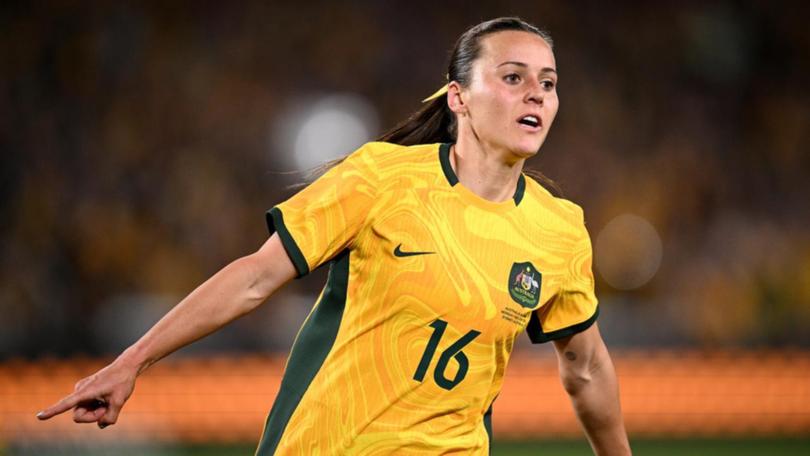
(567, 214)
(388, 153)
(562, 207)
(390, 161)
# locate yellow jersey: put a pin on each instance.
(429, 285)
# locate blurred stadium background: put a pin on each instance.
(142, 141)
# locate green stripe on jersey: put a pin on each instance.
(308, 353)
(488, 425)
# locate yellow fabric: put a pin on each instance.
(463, 251)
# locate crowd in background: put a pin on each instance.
(138, 155)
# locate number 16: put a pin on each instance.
(453, 351)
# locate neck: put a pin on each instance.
(488, 172)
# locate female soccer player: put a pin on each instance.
(441, 253)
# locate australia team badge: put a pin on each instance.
(524, 284)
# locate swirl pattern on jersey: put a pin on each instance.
(425, 325)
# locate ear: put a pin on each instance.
(456, 98)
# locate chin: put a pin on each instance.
(527, 150)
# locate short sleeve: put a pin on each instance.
(324, 218)
(574, 308)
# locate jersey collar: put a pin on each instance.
(452, 179)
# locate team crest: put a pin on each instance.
(524, 284)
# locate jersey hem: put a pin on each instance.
(275, 224)
(537, 336)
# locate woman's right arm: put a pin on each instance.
(232, 292)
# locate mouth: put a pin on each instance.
(531, 121)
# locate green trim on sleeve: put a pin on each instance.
(537, 336)
(275, 223)
(309, 352)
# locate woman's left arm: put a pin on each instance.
(589, 378)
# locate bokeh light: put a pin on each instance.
(325, 128)
(628, 252)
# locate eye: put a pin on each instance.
(548, 85)
(512, 78)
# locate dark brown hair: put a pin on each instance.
(434, 122)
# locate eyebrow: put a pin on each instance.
(521, 64)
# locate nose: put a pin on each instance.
(534, 93)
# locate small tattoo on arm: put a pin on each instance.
(571, 356)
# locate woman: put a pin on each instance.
(441, 253)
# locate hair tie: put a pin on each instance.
(437, 94)
(442, 90)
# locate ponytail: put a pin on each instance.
(432, 123)
(435, 123)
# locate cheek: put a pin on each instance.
(552, 105)
(490, 109)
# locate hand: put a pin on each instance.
(97, 398)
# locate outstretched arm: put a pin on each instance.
(232, 292)
(588, 377)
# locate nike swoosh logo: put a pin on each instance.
(399, 253)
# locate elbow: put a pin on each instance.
(596, 372)
(575, 381)
(261, 283)
(254, 282)
(267, 269)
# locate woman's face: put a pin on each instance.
(511, 100)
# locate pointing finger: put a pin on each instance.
(67, 403)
